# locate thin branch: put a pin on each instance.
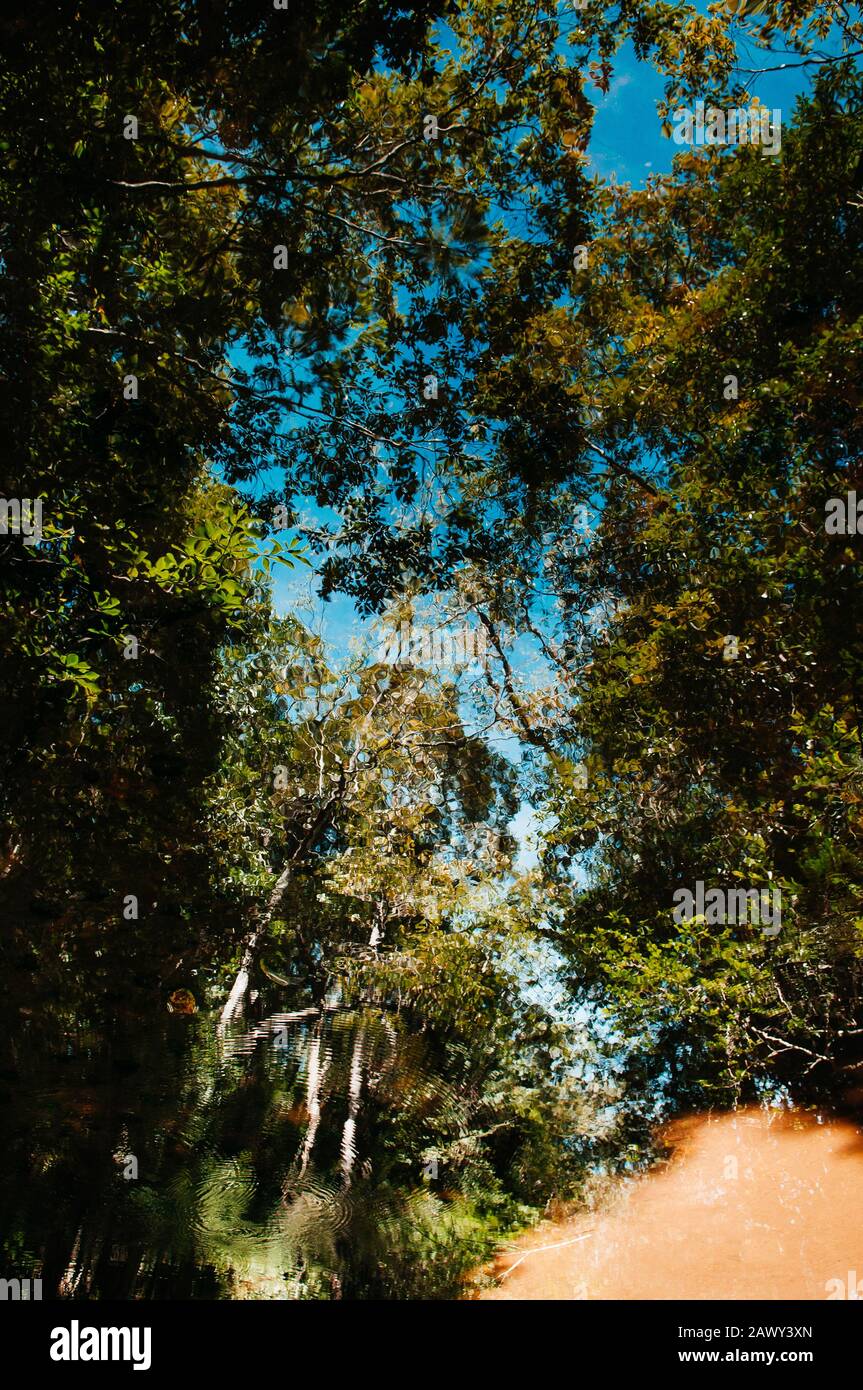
(804, 63)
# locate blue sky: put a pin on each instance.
(627, 139)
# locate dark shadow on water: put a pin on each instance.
(289, 1160)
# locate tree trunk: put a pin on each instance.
(314, 1085)
(349, 1147)
(236, 998)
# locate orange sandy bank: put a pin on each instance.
(752, 1204)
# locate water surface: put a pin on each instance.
(292, 1159)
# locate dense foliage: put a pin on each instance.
(332, 287)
